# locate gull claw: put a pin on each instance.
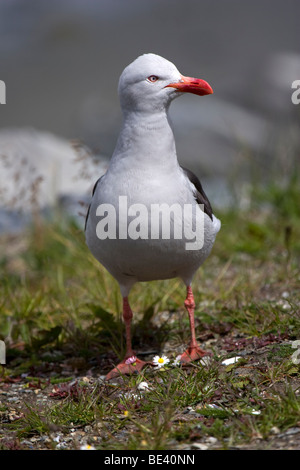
(193, 354)
(125, 368)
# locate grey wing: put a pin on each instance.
(93, 192)
(200, 195)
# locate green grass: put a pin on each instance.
(61, 310)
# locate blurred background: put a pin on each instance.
(61, 61)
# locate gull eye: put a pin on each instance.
(152, 78)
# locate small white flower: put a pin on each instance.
(177, 361)
(160, 361)
(214, 406)
(131, 360)
(87, 447)
(231, 360)
(131, 396)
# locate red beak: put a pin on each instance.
(192, 85)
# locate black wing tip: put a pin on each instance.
(201, 197)
(88, 211)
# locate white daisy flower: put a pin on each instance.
(87, 447)
(160, 361)
(131, 360)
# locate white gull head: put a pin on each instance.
(150, 83)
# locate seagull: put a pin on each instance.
(146, 208)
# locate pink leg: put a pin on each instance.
(194, 352)
(127, 316)
(131, 363)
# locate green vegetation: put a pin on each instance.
(61, 321)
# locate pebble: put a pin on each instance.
(199, 446)
(231, 360)
(13, 400)
(275, 430)
(212, 440)
(88, 428)
(290, 432)
(26, 443)
(143, 386)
